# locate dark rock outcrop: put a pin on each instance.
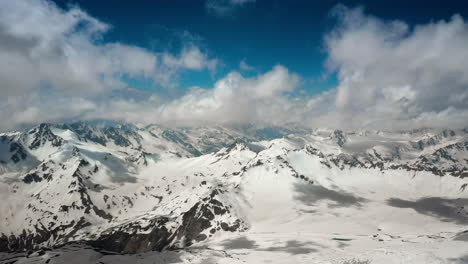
(133, 238)
(197, 224)
(43, 134)
(25, 241)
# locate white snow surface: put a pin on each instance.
(394, 197)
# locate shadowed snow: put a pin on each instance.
(448, 210)
(311, 194)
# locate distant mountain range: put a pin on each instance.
(131, 189)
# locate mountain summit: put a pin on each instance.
(130, 189)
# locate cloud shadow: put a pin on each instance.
(447, 210)
(292, 247)
(463, 236)
(459, 260)
(311, 194)
(240, 243)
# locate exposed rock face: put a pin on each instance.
(33, 240)
(203, 217)
(156, 234)
(442, 161)
(339, 136)
(18, 152)
(120, 135)
(13, 151)
(42, 134)
(134, 238)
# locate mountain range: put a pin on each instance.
(129, 189)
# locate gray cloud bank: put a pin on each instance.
(55, 67)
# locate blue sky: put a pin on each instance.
(337, 64)
(263, 33)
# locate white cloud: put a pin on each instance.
(55, 64)
(392, 75)
(234, 99)
(244, 66)
(56, 67)
(225, 8)
(43, 46)
(56, 49)
(190, 58)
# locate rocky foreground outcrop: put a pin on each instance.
(197, 224)
(203, 220)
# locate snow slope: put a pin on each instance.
(233, 195)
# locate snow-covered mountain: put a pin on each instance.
(130, 189)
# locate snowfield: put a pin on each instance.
(89, 193)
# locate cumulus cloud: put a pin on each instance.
(236, 99)
(225, 8)
(55, 64)
(394, 75)
(50, 48)
(45, 47)
(190, 58)
(233, 99)
(391, 76)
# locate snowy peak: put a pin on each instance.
(41, 136)
(135, 189)
(119, 135)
